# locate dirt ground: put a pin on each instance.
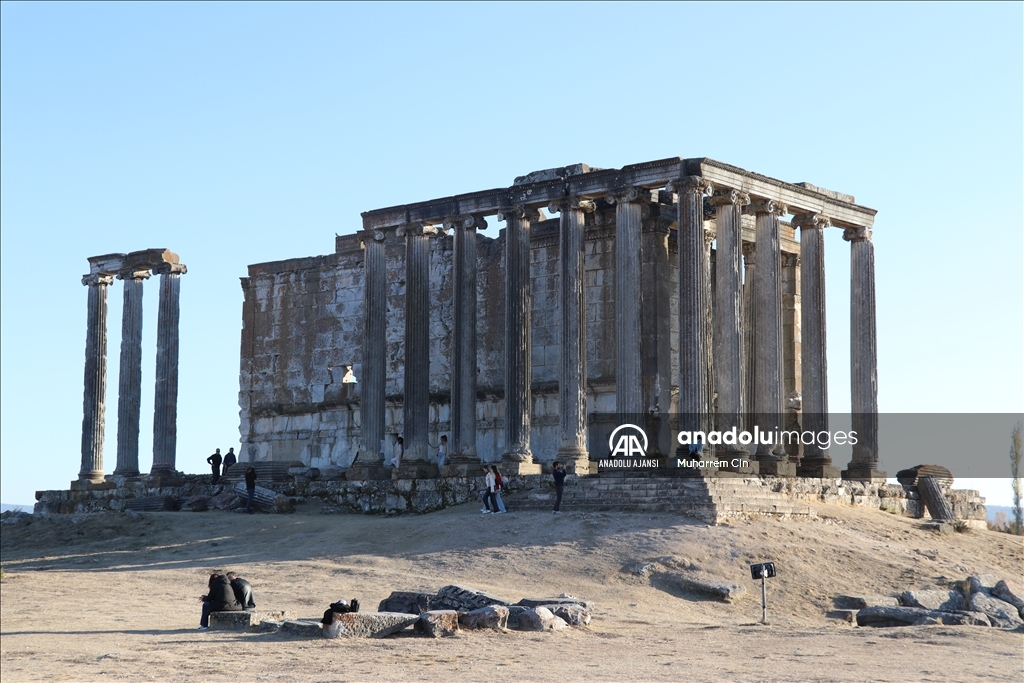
(112, 597)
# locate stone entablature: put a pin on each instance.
(702, 323)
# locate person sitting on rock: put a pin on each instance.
(221, 598)
(242, 590)
(339, 607)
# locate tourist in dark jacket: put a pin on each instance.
(215, 460)
(250, 488)
(229, 460)
(558, 474)
(243, 591)
(221, 598)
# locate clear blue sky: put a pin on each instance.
(241, 133)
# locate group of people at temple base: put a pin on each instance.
(228, 592)
(217, 461)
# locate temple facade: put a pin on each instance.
(503, 318)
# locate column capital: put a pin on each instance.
(749, 250)
(170, 269)
(465, 222)
(811, 220)
(640, 195)
(518, 211)
(728, 197)
(790, 260)
(857, 235)
(418, 230)
(766, 206)
(692, 183)
(134, 274)
(710, 233)
(572, 204)
(96, 279)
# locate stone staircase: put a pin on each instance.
(269, 472)
(712, 499)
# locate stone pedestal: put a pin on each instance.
(415, 469)
(572, 358)
(368, 472)
(511, 468)
(129, 397)
(863, 358)
(372, 406)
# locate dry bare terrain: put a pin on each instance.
(112, 597)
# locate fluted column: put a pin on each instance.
(129, 394)
(749, 331)
(572, 357)
(630, 204)
(728, 307)
(767, 322)
(518, 366)
(94, 401)
(375, 309)
(416, 389)
(813, 358)
(863, 357)
(695, 322)
(165, 405)
(463, 398)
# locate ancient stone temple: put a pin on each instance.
(133, 270)
(683, 286)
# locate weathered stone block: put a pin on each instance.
(368, 624)
(942, 601)
(464, 599)
(406, 602)
(492, 616)
(572, 614)
(700, 582)
(1001, 614)
(438, 623)
(302, 627)
(856, 602)
(540, 619)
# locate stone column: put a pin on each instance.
(630, 204)
(813, 358)
(416, 389)
(517, 457)
(863, 357)
(767, 322)
(695, 339)
(375, 310)
(165, 405)
(463, 398)
(728, 320)
(572, 357)
(129, 394)
(94, 402)
(749, 331)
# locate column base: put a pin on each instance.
(165, 478)
(415, 469)
(371, 472)
(511, 468)
(87, 485)
(461, 466)
(864, 473)
(817, 470)
(576, 462)
(777, 468)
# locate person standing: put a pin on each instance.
(442, 453)
(215, 460)
(497, 489)
(558, 474)
(490, 504)
(229, 460)
(250, 488)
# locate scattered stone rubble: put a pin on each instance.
(687, 577)
(445, 613)
(978, 601)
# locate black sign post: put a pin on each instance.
(765, 570)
